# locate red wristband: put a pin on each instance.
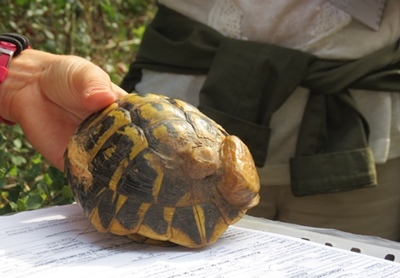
(10, 45)
(7, 51)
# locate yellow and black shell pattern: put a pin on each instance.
(158, 170)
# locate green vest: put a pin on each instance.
(248, 81)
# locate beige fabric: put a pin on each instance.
(315, 26)
(372, 211)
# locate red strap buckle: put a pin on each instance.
(6, 53)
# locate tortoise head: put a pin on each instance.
(240, 184)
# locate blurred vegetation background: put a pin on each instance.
(105, 32)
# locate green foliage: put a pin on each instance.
(26, 180)
(107, 33)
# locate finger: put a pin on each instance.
(99, 100)
(102, 96)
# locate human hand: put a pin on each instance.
(50, 95)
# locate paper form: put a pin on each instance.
(60, 241)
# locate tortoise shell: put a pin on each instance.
(157, 169)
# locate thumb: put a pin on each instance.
(95, 87)
(102, 95)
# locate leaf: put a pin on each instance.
(56, 175)
(18, 160)
(17, 143)
(36, 159)
(13, 171)
(33, 172)
(14, 206)
(49, 34)
(66, 192)
(34, 201)
(19, 206)
(43, 187)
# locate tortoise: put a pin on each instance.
(156, 169)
